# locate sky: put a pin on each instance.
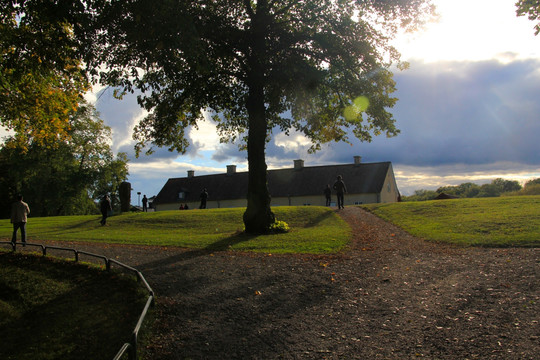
(468, 111)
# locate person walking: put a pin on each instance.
(144, 203)
(19, 213)
(328, 195)
(341, 189)
(105, 207)
(204, 196)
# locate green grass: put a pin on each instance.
(52, 309)
(496, 222)
(313, 230)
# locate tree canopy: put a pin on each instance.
(531, 9)
(41, 78)
(65, 178)
(319, 67)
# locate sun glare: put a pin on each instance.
(471, 30)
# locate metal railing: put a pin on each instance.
(131, 346)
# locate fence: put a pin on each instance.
(131, 346)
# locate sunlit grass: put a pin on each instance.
(313, 230)
(504, 221)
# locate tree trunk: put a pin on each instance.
(258, 216)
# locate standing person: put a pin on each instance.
(340, 188)
(328, 195)
(19, 213)
(204, 196)
(105, 207)
(144, 203)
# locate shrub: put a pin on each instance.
(279, 227)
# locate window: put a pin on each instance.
(181, 195)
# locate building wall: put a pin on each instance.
(389, 192)
(320, 200)
(174, 206)
(210, 204)
(316, 200)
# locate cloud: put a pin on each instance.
(457, 112)
(460, 121)
(411, 178)
(470, 112)
(120, 115)
(123, 115)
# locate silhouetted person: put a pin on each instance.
(186, 207)
(204, 196)
(340, 188)
(105, 207)
(328, 195)
(144, 203)
(19, 213)
(181, 207)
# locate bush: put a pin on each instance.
(533, 189)
(279, 227)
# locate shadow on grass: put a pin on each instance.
(218, 246)
(89, 315)
(319, 219)
(75, 227)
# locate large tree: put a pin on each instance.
(41, 77)
(318, 67)
(67, 177)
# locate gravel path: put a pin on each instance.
(390, 296)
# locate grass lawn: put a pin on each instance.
(52, 309)
(313, 230)
(497, 222)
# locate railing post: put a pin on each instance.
(133, 349)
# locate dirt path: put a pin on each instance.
(391, 296)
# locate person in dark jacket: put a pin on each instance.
(19, 213)
(340, 188)
(144, 203)
(105, 208)
(328, 195)
(204, 196)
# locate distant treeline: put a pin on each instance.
(498, 187)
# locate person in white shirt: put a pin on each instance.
(19, 213)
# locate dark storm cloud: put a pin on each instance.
(457, 120)
(456, 113)
(473, 113)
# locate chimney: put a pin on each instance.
(231, 169)
(357, 160)
(190, 173)
(298, 164)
